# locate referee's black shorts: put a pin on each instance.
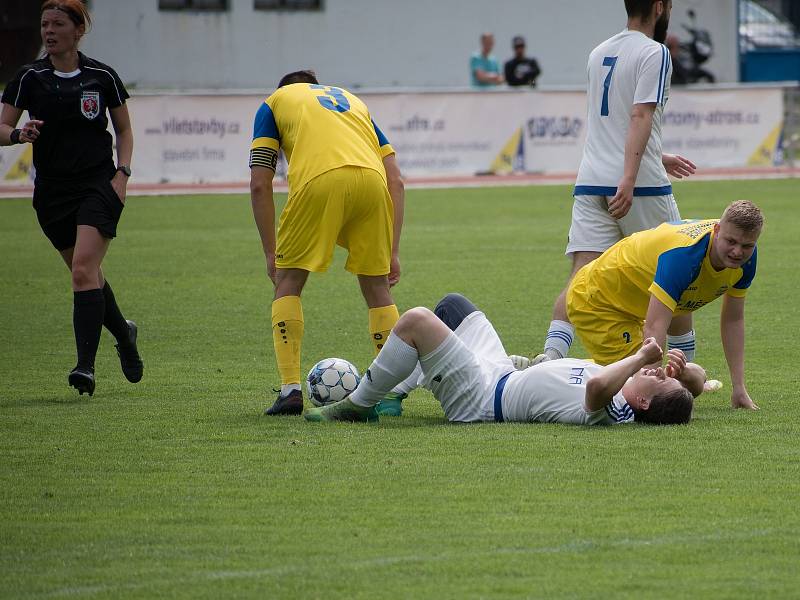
(62, 206)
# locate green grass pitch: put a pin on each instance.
(177, 487)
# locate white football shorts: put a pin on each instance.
(594, 230)
(464, 370)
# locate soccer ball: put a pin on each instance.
(331, 380)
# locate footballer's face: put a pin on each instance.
(731, 247)
(59, 33)
(646, 383)
(662, 24)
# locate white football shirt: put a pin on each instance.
(627, 69)
(555, 392)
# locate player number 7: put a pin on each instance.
(608, 61)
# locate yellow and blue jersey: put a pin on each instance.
(319, 128)
(670, 262)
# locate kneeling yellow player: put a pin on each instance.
(653, 280)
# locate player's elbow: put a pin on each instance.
(694, 378)
(259, 184)
(257, 189)
(642, 112)
(396, 184)
(394, 178)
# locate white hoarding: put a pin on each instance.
(206, 138)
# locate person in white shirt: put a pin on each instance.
(455, 353)
(622, 185)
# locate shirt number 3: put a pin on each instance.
(333, 99)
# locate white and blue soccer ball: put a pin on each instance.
(331, 380)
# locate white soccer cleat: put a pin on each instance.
(712, 385)
(520, 362)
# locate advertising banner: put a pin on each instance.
(206, 138)
(445, 134)
(16, 165)
(725, 128)
(192, 139)
(554, 132)
(712, 128)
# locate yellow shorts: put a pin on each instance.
(348, 206)
(607, 335)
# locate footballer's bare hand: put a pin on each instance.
(741, 399)
(271, 267)
(650, 351)
(678, 166)
(621, 203)
(676, 363)
(394, 271)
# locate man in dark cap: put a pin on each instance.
(521, 70)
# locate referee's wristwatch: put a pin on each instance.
(125, 169)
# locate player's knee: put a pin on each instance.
(375, 290)
(413, 319)
(84, 276)
(290, 282)
(453, 309)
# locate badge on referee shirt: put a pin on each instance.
(90, 104)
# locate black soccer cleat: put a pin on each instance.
(291, 404)
(129, 359)
(82, 379)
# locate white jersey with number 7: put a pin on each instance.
(627, 69)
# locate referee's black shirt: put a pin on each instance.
(74, 142)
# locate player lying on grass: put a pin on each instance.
(456, 354)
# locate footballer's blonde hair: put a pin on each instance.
(744, 215)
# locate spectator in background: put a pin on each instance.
(521, 70)
(680, 74)
(483, 66)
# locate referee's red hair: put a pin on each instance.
(74, 9)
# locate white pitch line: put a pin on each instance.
(575, 546)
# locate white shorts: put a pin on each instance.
(464, 370)
(594, 230)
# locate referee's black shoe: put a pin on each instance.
(129, 359)
(291, 404)
(82, 379)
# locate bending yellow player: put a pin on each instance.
(344, 188)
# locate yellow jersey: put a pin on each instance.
(671, 262)
(319, 128)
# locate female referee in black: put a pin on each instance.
(79, 191)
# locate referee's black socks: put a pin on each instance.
(87, 320)
(113, 319)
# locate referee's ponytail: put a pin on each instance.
(74, 9)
